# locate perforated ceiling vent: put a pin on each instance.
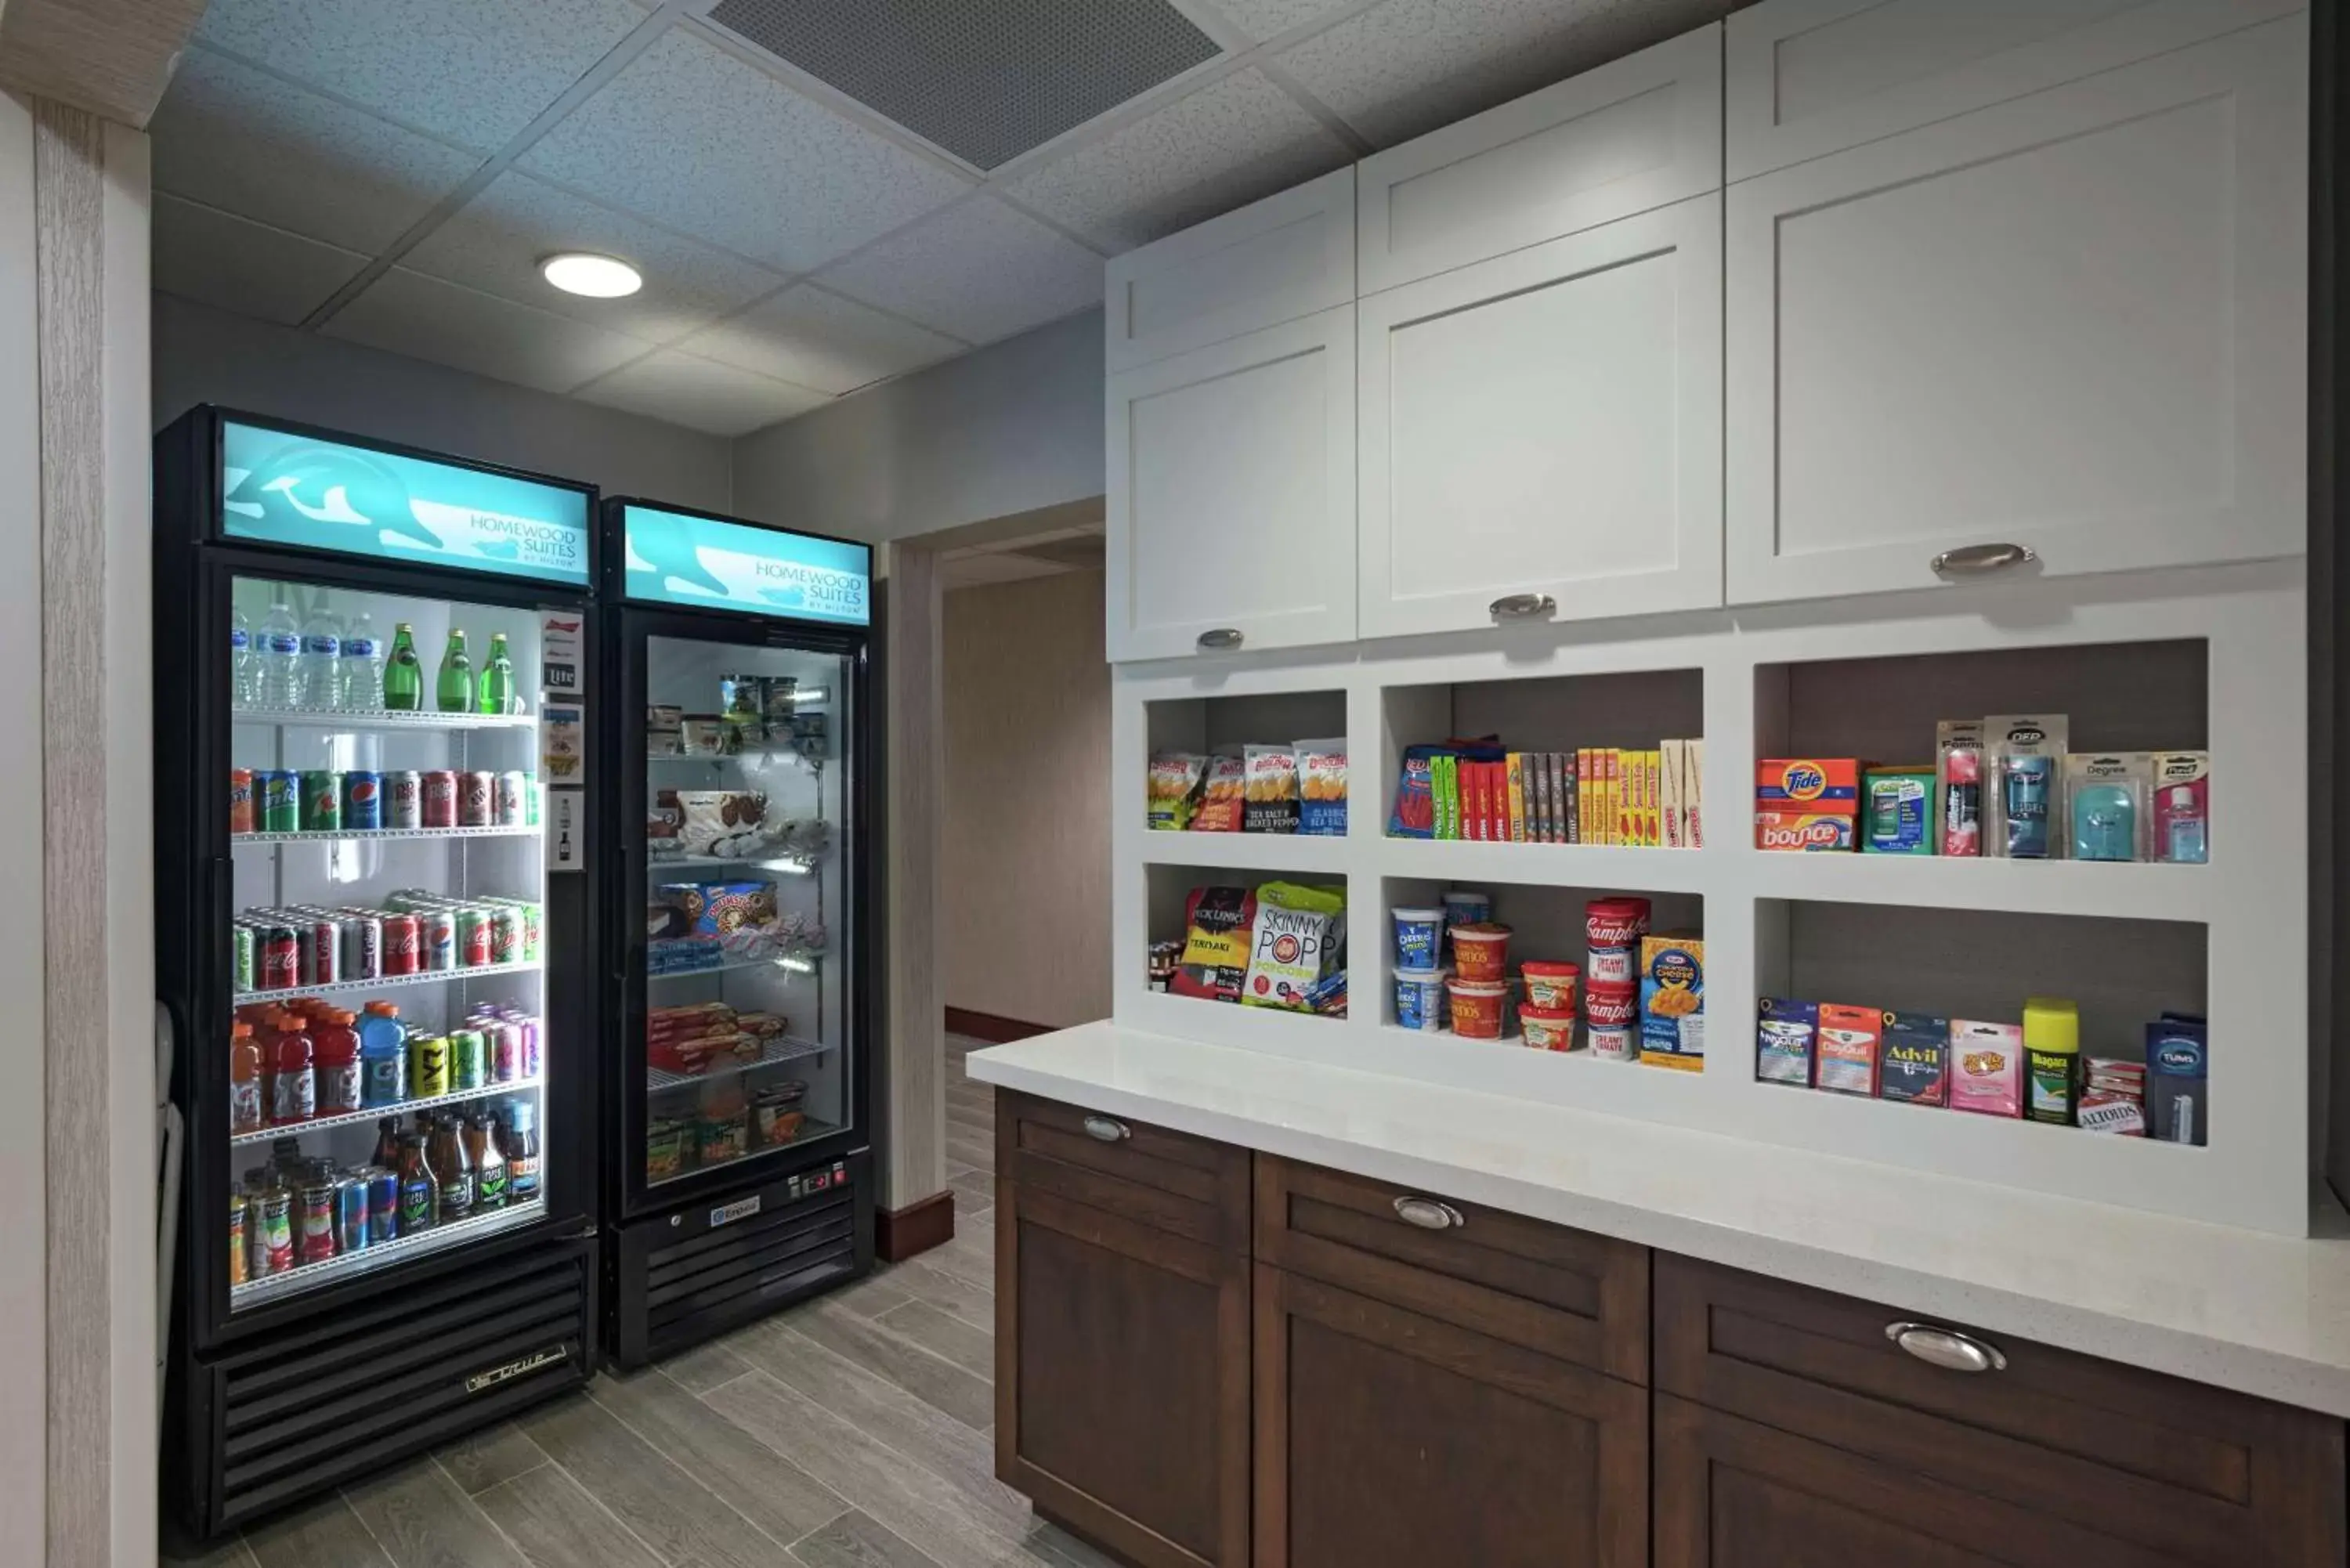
(986, 82)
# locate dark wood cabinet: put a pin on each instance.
(1389, 1438)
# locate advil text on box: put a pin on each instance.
(1800, 830)
(1808, 785)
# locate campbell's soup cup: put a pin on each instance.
(1615, 922)
(1610, 966)
(1478, 1006)
(1550, 982)
(1547, 1028)
(1611, 1004)
(1480, 951)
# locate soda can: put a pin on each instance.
(505, 1050)
(241, 813)
(428, 1066)
(242, 949)
(362, 945)
(530, 799)
(436, 940)
(362, 801)
(510, 790)
(322, 801)
(351, 1214)
(403, 794)
(383, 1203)
(281, 800)
(476, 795)
(321, 942)
(505, 934)
(281, 958)
(469, 1066)
(402, 944)
(240, 1250)
(317, 1240)
(273, 1243)
(473, 934)
(438, 793)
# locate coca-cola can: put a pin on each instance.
(363, 946)
(508, 807)
(322, 947)
(437, 936)
(476, 798)
(438, 792)
(403, 944)
(404, 802)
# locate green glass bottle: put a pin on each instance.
(498, 678)
(403, 672)
(455, 681)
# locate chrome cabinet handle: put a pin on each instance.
(1105, 1130)
(1946, 1347)
(1222, 640)
(1522, 607)
(1429, 1214)
(1972, 560)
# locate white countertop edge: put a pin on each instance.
(2261, 1314)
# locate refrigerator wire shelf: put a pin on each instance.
(377, 1112)
(792, 963)
(383, 835)
(387, 982)
(777, 1051)
(382, 718)
(440, 1238)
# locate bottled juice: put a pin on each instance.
(518, 1141)
(420, 1194)
(336, 1048)
(490, 1170)
(246, 1111)
(453, 1173)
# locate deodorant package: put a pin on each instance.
(2023, 786)
(2179, 1079)
(2109, 806)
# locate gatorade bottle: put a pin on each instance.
(403, 672)
(498, 678)
(294, 1083)
(336, 1073)
(383, 1055)
(244, 1109)
(455, 687)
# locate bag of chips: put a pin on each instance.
(1295, 941)
(1271, 788)
(1322, 788)
(1223, 795)
(1217, 921)
(1175, 778)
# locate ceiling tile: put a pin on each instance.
(475, 71)
(1221, 147)
(1263, 19)
(496, 242)
(692, 137)
(250, 268)
(981, 271)
(244, 142)
(819, 339)
(407, 312)
(701, 394)
(1406, 67)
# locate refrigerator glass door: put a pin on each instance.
(746, 1046)
(385, 1059)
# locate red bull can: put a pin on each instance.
(383, 1204)
(352, 1212)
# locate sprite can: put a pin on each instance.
(322, 801)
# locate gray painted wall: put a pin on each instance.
(207, 356)
(1010, 428)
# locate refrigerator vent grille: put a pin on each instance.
(746, 1269)
(330, 1401)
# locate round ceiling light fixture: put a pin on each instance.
(597, 277)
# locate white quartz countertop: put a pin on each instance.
(2237, 1309)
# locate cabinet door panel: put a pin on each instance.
(1122, 1381)
(1807, 78)
(1547, 424)
(1232, 493)
(1386, 1439)
(2074, 323)
(1277, 260)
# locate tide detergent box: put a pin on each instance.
(1806, 803)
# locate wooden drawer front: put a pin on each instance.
(1387, 1439)
(2191, 1474)
(1580, 1297)
(1171, 1181)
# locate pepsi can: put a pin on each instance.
(362, 801)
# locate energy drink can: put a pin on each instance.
(468, 1060)
(280, 795)
(428, 1066)
(383, 1204)
(352, 1210)
(242, 947)
(362, 801)
(506, 806)
(505, 1050)
(436, 940)
(322, 801)
(403, 799)
(362, 945)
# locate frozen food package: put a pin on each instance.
(1271, 776)
(1175, 781)
(1322, 788)
(1296, 938)
(1217, 926)
(1222, 794)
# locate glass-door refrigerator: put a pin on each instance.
(375, 943)
(738, 1135)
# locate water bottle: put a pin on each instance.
(321, 653)
(361, 663)
(244, 665)
(277, 653)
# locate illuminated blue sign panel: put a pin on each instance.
(703, 564)
(279, 488)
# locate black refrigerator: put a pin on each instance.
(377, 945)
(738, 1153)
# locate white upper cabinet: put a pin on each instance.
(1629, 136)
(1273, 261)
(1231, 494)
(1540, 433)
(1808, 78)
(2072, 322)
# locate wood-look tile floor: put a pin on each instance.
(852, 1431)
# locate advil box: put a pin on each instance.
(1808, 785)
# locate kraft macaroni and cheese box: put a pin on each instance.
(1672, 996)
(1784, 1035)
(1913, 1058)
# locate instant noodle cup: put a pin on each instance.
(1419, 937)
(1548, 1028)
(1420, 998)
(1611, 1005)
(1550, 983)
(1477, 1007)
(1481, 951)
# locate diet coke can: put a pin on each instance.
(439, 793)
(437, 938)
(362, 945)
(404, 943)
(322, 949)
(512, 790)
(403, 799)
(476, 797)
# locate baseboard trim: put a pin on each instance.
(901, 1233)
(994, 1028)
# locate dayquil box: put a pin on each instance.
(1846, 1049)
